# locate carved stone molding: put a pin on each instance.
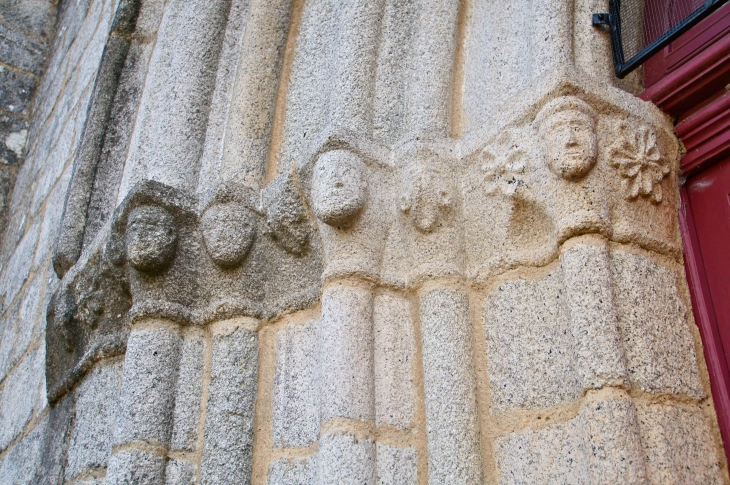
(169, 254)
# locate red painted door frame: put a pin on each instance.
(689, 80)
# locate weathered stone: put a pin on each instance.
(297, 386)
(450, 387)
(13, 138)
(397, 466)
(339, 187)
(228, 441)
(188, 394)
(653, 321)
(20, 323)
(550, 339)
(17, 268)
(346, 354)
(16, 89)
(38, 458)
(35, 15)
(21, 50)
(228, 233)
(678, 446)
(600, 445)
(180, 472)
(169, 136)
(136, 467)
(394, 353)
(96, 402)
(20, 395)
(345, 460)
(293, 471)
(147, 393)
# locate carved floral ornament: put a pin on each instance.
(639, 161)
(566, 129)
(504, 164)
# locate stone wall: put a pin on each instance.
(313, 241)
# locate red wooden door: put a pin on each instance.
(708, 197)
(688, 80)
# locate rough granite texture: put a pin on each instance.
(312, 242)
(449, 382)
(296, 386)
(186, 417)
(148, 386)
(600, 445)
(676, 446)
(228, 442)
(550, 339)
(660, 350)
(90, 447)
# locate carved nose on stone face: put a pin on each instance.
(151, 239)
(339, 187)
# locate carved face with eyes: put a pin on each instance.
(339, 187)
(151, 238)
(571, 144)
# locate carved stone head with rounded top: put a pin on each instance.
(568, 129)
(151, 238)
(228, 231)
(339, 187)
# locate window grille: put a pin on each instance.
(641, 28)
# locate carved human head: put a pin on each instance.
(339, 187)
(228, 231)
(151, 238)
(568, 130)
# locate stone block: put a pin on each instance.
(34, 15)
(599, 355)
(551, 338)
(529, 344)
(228, 435)
(450, 388)
(600, 445)
(659, 347)
(38, 458)
(679, 446)
(19, 324)
(180, 472)
(20, 395)
(13, 138)
(346, 354)
(17, 268)
(293, 471)
(397, 466)
(147, 394)
(136, 467)
(394, 351)
(51, 220)
(296, 386)
(345, 460)
(96, 402)
(188, 395)
(21, 50)
(16, 89)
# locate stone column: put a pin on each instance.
(170, 129)
(146, 403)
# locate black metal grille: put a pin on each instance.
(641, 28)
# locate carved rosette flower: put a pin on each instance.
(504, 166)
(640, 163)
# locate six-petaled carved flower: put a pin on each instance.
(637, 158)
(504, 165)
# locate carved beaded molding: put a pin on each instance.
(568, 161)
